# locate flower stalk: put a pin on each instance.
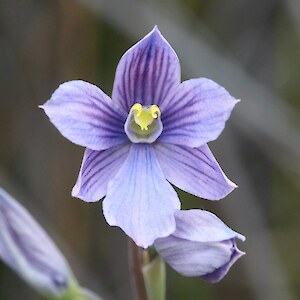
(154, 274)
(148, 274)
(135, 259)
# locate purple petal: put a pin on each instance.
(195, 113)
(97, 169)
(193, 170)
(202, 226)
(202, 245)
(219, 273)
(28, 250)
(140, 200)
(211, 261)
(146, 73)
(85, 115)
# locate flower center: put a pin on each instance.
(143, 124)
(144, 116)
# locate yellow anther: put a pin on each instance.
(144, 116)
(155, 112)
(138, 108)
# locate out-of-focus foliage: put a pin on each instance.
(44, 43)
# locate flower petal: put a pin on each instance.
(85, 115)
(202, 226)
(97, 169)
(194, 170)
(27, 249)
(140, 200)
(202, 245)
(195, 113)
(211, 260)
(219, 273)
(146, 73)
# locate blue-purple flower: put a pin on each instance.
(154, 130)
(27, 249)
(202, 245)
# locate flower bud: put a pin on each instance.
(27, 249)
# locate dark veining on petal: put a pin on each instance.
(88, 182)
(146, 73)
(111, 112)
(88, 158)
(90, 162)
(122, 96)
(154, 79)
(136, 76)
(160, 81)
(130, 98)
(164, 90)
(100, 157)
(100, 162)
(174, 110)
(184, 161)
(124, 88)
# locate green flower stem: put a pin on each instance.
(155, 278)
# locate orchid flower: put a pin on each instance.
(153, 131)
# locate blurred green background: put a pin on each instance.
(250, 47)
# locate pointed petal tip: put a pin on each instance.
(76, 193)
(241, 237)
(232, 103)
(156, 34)
(231, 188)
(155, 30)
(232, 185)
(83, 198)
